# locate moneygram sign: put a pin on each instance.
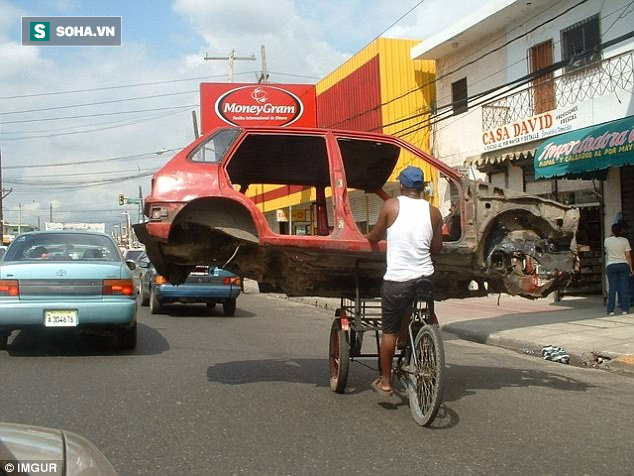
(71, 31)
(257, 105)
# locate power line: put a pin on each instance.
(436, 79)
(396, 21)
(144, 155)
(486, 97)
(83, 116)
(97, 103)
(60, 186)
(294, 75)
(105, 88)
(115, 125)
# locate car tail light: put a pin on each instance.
(156, 213)
(9, 287)
(164, 211)
(118, 287)
(160, 279)
(232, 280)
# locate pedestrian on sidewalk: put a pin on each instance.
(618, 268)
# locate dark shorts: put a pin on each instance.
(396, 300)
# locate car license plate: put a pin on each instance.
(60, 318)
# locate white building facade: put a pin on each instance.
(519, 83)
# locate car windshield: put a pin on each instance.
(133, 255)
(62, 247)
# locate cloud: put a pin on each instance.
(304, 42)
(16, 59)
(290, 40)
(7, 20)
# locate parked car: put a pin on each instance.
(67, 279)
(209, 203)
(29, 449)
(206, 284)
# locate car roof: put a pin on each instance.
(76, 232)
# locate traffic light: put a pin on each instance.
(121, 199)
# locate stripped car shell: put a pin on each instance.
(201, 211)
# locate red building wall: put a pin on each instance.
(354, 103)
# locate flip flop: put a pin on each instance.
(376, 386)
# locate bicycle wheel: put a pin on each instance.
(427, 378)
(339, 357)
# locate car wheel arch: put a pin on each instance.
(217, 212)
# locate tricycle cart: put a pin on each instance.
(418, 370)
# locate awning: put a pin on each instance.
(518, 152)
(582, 152)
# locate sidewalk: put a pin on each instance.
(578, 325)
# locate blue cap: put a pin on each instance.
(411, 177)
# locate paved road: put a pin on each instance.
(205, 394)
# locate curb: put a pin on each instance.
(611, 361)
(618, 363)
(623, 364)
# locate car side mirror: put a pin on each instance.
(131, 264)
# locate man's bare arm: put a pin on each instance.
(436, 223)
(382, 222)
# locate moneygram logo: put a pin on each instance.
(259, 106)
(71, 31)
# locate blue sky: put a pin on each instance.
(109, 149)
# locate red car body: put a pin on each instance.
(200, 211)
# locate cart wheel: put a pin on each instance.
(339, 357)
(426, 382)
(356, 341)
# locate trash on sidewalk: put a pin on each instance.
(556, 354)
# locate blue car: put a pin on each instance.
(73, 280)
(206, 284)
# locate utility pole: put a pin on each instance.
(141, 220)
(196, 134)
(264, 75)
(128, 234)
(3, 194)
(232, 57)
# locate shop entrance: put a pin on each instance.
(590, 246)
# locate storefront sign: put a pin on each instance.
(297, 215)
(537, 127)
(592, 148)
(257, 105)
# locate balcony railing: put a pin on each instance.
(593, 80)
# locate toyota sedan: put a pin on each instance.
(67, 280)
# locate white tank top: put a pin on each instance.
(408, 241)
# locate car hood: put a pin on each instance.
(64, 269)
(53, 449)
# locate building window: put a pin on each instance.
(581, 43)
(459, 96)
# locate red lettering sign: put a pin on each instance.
(257, 105)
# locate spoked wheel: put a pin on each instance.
(426, 382)
(339, 357)
(356, 342)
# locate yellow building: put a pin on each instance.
(380, 89)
